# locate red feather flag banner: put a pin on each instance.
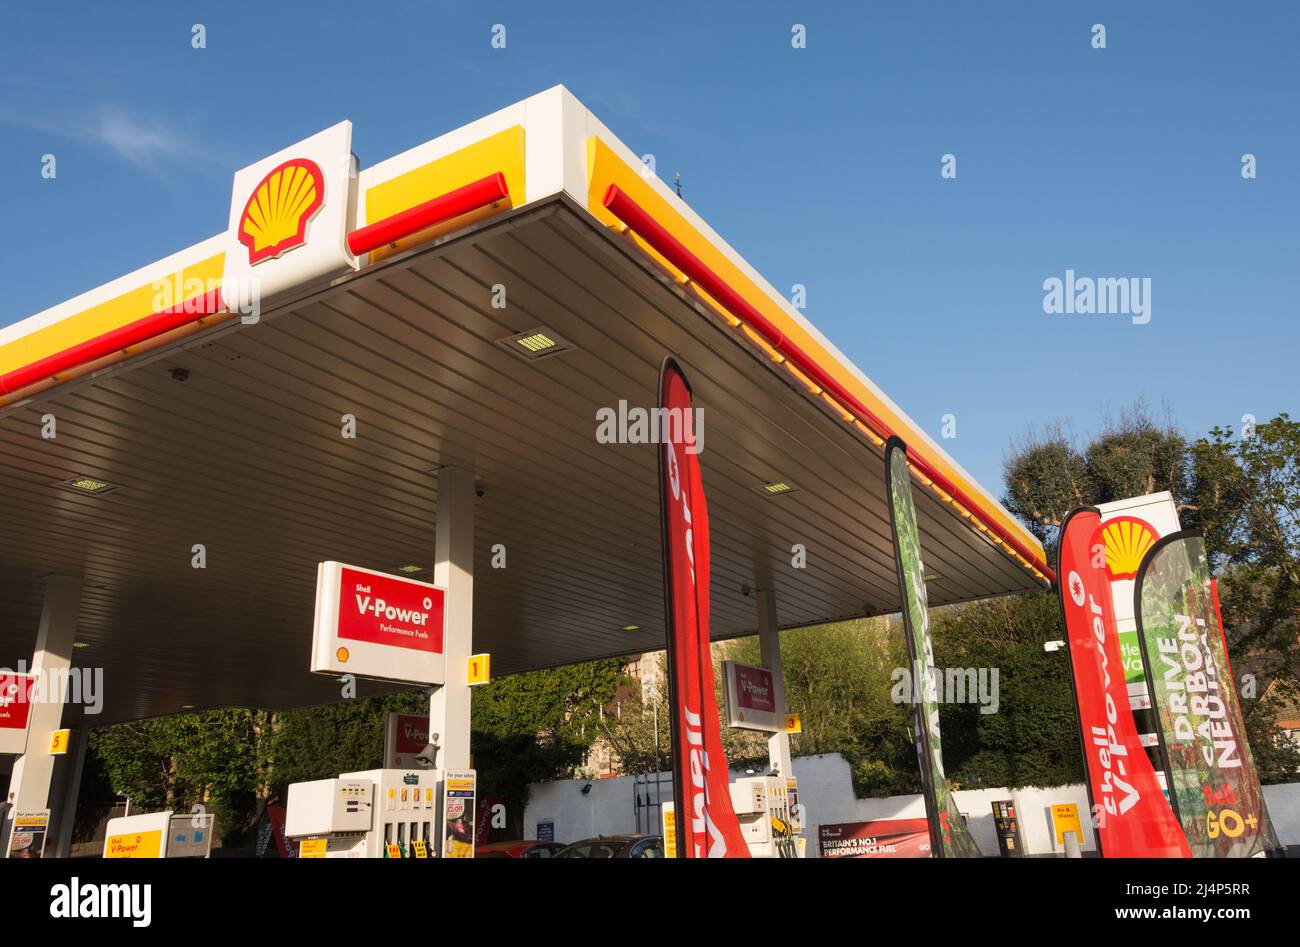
(1130, 813)
(707, 826)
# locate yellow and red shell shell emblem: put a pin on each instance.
(1127, 540)
(278, 211)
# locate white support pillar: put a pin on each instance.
(453, 569)
(64, 821)
(29, 786)
(769, 642)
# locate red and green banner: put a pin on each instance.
(949, 837)
(706, 823)
(1130, 814)
(1213, 786)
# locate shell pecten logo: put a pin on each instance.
(1127, 540)
(278, 211)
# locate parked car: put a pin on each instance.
(615, 846)
(520, 848)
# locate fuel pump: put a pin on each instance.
(765, 808)
(384, 813)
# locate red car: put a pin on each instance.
(522, 848)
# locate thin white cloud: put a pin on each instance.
(147, 144)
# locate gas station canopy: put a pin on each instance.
(500, 286)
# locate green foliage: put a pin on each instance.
(557, 703)
(215, 758)
(1247, 501)
(1033, 738)
(838, 679)
(321, 742)
(1276, 755)
(538, 726)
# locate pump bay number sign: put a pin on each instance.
(376, 625)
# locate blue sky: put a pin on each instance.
(821, 166)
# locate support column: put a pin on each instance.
(453, 569)
(769, 642)
(65, 820)
(29, 787)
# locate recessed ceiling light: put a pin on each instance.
(776, 488)
(87, 485)
(187, 706)
(631, 627)
(410, 570)
(81, 644)
(535, 344)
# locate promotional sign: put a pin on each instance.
(546, 831)
(749, 694)
(708, 828)
(1130, 814)
(377, 625)
(405, 735)
(948, 833)
(1214, 788)
(883, 838)
(16, 693)
(458, 815)
(669, 817)
(289, 216)
(1130, 527)
(486, 807)
(138, 836)
(28, 837)
(1065, 818)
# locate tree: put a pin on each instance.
(1247, 502)
(1033, 738)
(838, 678)
(215, 759)
(538, 726)
(1047, 474)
